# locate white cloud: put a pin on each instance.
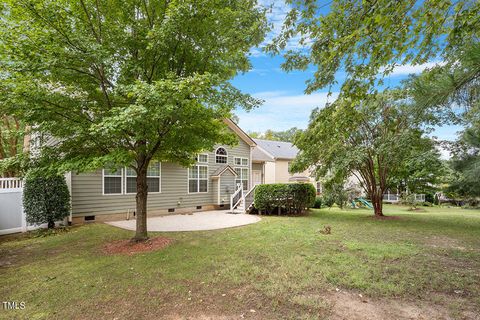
(277, 11)
(282, 110)
(405, 70)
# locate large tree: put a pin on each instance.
(367, 39)
(126, 82)
(423, 170)
(457, 84)
(371, 140)
(12, 144)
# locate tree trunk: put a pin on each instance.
(51, 224)
(141, 205)
(377, 203)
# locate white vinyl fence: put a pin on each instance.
(12, 217)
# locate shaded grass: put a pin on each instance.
(275, 267)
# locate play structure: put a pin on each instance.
(358, 202)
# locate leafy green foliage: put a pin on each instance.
(423, 171)
(335, 193)
(368, 39)
(287, 135)
(46, 199)
(285, 198)
(12, 132)
(126, 82)
(369, 141)
(317, 204)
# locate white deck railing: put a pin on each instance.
(11, 184)
(236, 197)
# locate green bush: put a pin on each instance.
(328, 200)
(46, 199)
(318, 203)
(282, 198)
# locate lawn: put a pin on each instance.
(423, 265)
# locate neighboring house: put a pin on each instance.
(271, 163)
(209, 184)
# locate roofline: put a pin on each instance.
(266, 152)
(227, 167)
(242, 134)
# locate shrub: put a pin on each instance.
(318, 203)
(328, 200)
(285, 198)
(46, 199)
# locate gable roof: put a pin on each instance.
(235, 128)
(222, 170)
(277, 149)
(258, 154)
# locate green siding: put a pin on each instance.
(87, 197)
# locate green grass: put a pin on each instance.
(281, 267)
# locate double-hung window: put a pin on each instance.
(112, 181)
(124, 180)
(198, 179)
(242, 177)
(153, 179)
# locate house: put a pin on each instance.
(110, 194)
(271, 164)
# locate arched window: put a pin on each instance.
(221, 155)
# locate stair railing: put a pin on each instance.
(236, 197)
(249, 197)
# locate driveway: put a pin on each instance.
(197, 221)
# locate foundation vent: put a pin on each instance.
(89, 218)
(171, 210)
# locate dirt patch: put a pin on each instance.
(351, 306)
(126, 247)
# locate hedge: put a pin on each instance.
(284, 198)
(46, 199)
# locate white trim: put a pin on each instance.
(198, 179)
(218, 191)
(239, 177)
(149, 192)
(112, 176)
(221, 155)
(241, 158)
(198, 158)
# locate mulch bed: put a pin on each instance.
(126, 247)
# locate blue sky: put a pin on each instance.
(285, 104)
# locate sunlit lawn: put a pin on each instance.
(281, 267)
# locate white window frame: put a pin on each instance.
(112, 176)
(149, 192)
(202, 154)
(318, 186)
(240, 177)
(198, 179)
(241, 160)
(221, 155)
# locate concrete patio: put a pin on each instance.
(197, 221)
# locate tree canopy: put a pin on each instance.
(287, 135)
(126, 82)
(371, 140)
(368, 39)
